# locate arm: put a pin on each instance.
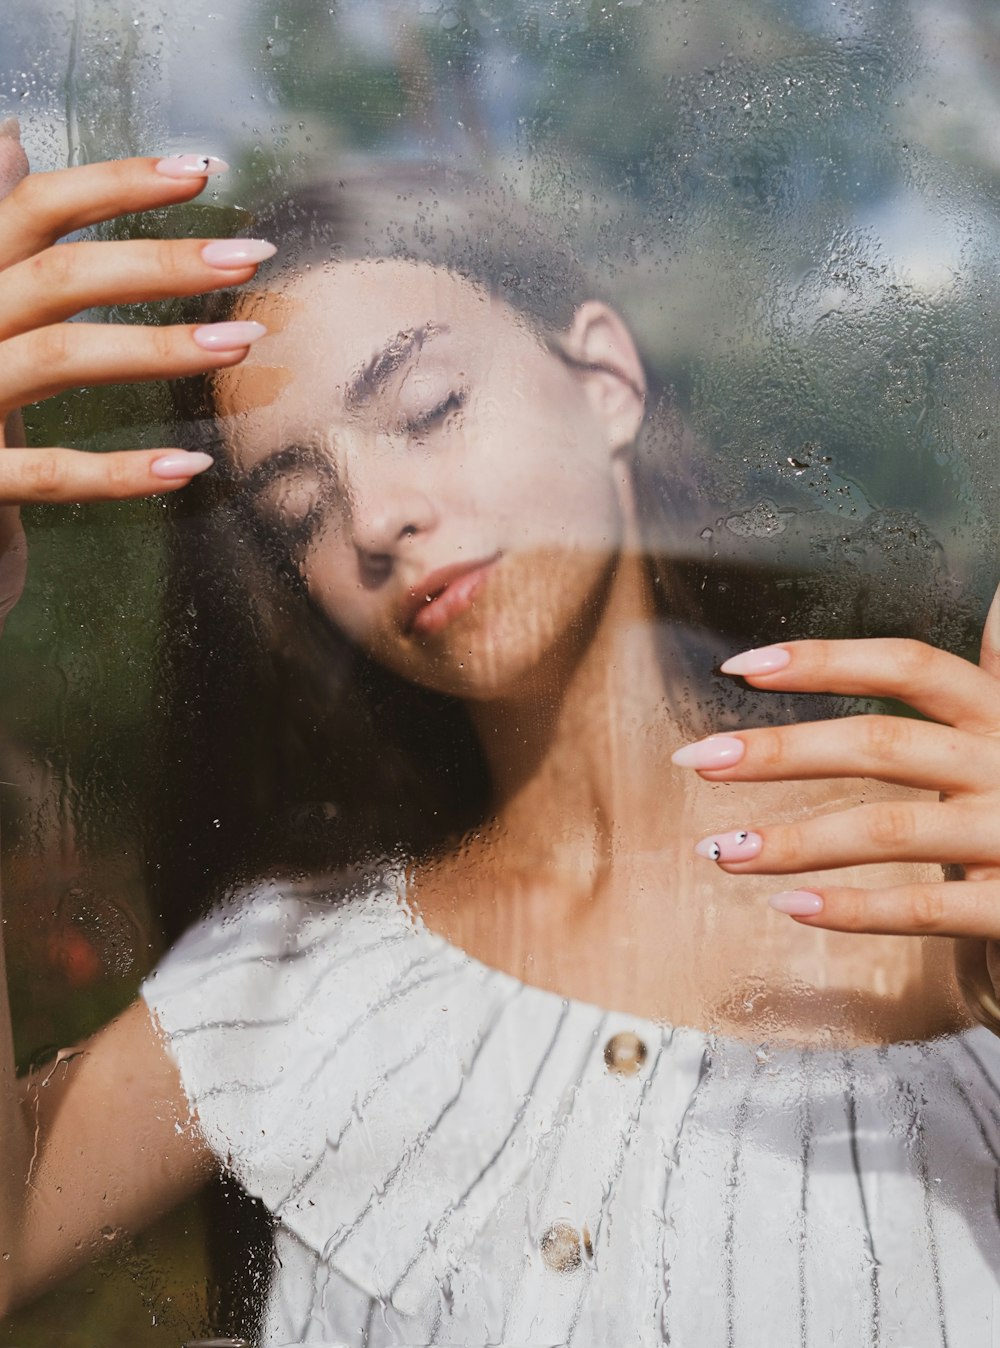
(100, 1141)
(96, 1145)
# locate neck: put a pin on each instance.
(580, 767)
(587, 884)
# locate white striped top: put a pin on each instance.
(451, 1160)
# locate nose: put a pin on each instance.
(386, 512)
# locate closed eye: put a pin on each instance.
(434, 416)
(292, 506)
(290, 494)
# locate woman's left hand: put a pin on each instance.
(956, 754)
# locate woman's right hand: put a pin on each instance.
(43, 283)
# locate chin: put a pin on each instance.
(480, 679)
(521, 637)
(470, 667)
(497, 653)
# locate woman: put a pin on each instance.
(412, 1068)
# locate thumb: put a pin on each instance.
(989, 650)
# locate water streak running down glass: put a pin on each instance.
(682, 316)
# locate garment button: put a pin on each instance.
(560, 1248)
(624, 1053)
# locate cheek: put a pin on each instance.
(563, 500)
(331, 579)
(552, 480)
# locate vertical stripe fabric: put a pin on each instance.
(451, 1159)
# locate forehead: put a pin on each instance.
(324, 327)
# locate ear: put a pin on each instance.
(600, 348)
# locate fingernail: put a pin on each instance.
(191, 166)
(228, 336)
(10, 126)
(797, 903)
(181, 463)
(718, 751)
(232, 253)
(741, 845)
(762, 660)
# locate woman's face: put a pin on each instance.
(450, 489)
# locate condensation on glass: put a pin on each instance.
(791, 210)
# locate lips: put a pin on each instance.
(443, 594)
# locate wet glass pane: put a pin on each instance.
(604, 342)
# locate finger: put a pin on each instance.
(39, 364)
(13, 160)
(71, 277)
(70, 476)
(933, 682)
(889, 748)
(45, 206)
(950, 908)
(889, 831)
(989, 649)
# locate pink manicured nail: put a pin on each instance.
(797, 903)
(718, 751)
(227, 254)
(228, 336)
(181, 463)
(191, 166)
(741, 845)
(762, 660)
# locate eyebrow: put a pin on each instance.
(374, 376)
(361, 388)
